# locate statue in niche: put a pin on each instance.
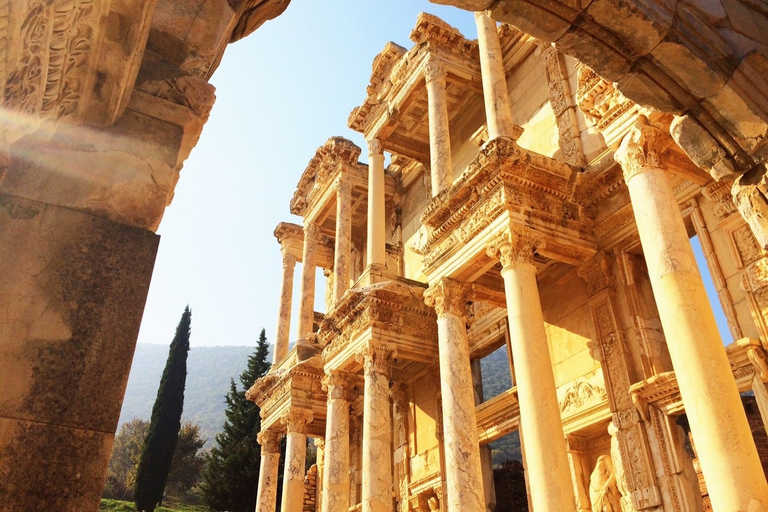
(603, 492)
(618, 463)
(433, 503)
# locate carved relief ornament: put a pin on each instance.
(515, 247)
(448, 297)
(757, 357)
(434, 70)
(376, 358)
(297, 420)
(641, 148)
(375, 147)
(337, 384)
(269, 441)
(596, 273)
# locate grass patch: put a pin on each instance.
(127, 506)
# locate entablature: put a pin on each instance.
(291, 239)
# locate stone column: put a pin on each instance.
(320, 453)
(284, 315)
(486, 457)
(266, 497)
(498, 110)
(441, 167)
(377, 253)
(377, 430)
(547, 467)
(307, 305)
(72, 292)
(343, 249)
(296, 422)
(727, 453)
(336, 467)
(463, 471)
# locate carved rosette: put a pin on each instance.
(375, 147)
(434, 71)
(297, 420)
(376, 358)
(641, 149)
(269, 441)
(337, 384)
(448, 297)
(515, 247)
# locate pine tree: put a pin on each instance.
(232, 468)
(157, 455)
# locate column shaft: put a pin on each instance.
(547, 465)
(377, 432)
(266, 496)
(463, 471)
(441, 167)
(498, 111)
(282, 338)
(307, 305)
(336, 467)
(723, 439)
(343, 248)
(376, 222)
(295, 460)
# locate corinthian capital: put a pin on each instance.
(448, 296)
(641, 148)
(434, 71)
(376, 358)
(311, 231)
(375, 147)
(515, 247)
(337, 384)
(269, 441)
(297, 420)
(289, 260)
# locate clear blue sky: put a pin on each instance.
(281, 92)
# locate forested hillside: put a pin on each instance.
(208, 372)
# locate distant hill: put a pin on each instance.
(208, 372)
(210, 368)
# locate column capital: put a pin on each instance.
(515, 247)
(342, 185)
(297, 420)
(338, 385)
(376, 358)
(289, 260)
(448, 296)
(596, 272)
(310, 231)
(269, 441)
(319, 443)
(756, 356)
(434, 70)
(375, 147)
(641, 148)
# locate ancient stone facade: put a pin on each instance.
(534, 202)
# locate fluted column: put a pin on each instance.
(307, 305)
(296, 422)
(376, 222)
(498, 110)
(377, 430)
(282, 338)
(727, 453)
(266, 496)
(343, 249)
(336, 466)
(441, 167)
(549, 474)
(463, 470)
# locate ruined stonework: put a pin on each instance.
(544, 204)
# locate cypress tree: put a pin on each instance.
(157, 455)
(232, 469)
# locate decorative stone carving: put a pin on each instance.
(434, 71)
(758, 358)
(597, 273)
(719, 193)
(641, 148)
(582, 394)
(448, 297)
(375, 147)
(515, 247)
(338, 385)
(561, 100)
(603, 492)
(376, 358)
(269, 441)
(297, 420)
